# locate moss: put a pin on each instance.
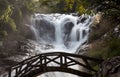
(29, 5)
(12, 24)
(5, 10)
(113, 47)
(105, 48)
(3, 34)
(81, 9)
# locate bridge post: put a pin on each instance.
(61, 61)
(41, 58)
(65, 61)
(9, 74)
(45, 60)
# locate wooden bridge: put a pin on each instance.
(54, 61)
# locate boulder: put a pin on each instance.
(110, 68)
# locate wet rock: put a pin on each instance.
(75, 14)
(67, 30)
(78, 35)
(82, 19)
(82, 49)
(110, 68)
(96, 20)
(117, 31)
(46, 30)
(68, 27)
(84, 33)
(34, 46)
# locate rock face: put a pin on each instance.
(101, 25)
(46, 30)
(67, 30)
(110, 68)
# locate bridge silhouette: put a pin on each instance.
(54, 61)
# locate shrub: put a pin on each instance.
(113, 47)
(12, 24)
(5, 10)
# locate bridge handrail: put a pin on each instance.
(57, 55)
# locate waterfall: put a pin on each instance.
(65, 33)
(59, 33)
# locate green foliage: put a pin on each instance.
(11, 13)
(17, 15)
(81, 9)
(113, 47)
(5, 10)
(12, 24)
(110, 7)
(29, 5)
(106, 48)
(6, 22)
(113, 12)
(66, 6)
(3, 34)
(8, 25)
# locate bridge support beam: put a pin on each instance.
(37, 72)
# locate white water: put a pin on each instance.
(64, 32)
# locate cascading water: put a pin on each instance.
(65, 33)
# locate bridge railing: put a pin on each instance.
(59, 59)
